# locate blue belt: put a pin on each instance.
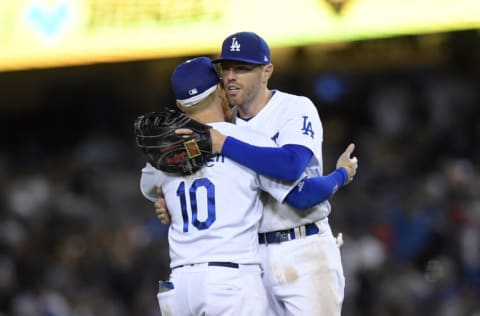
(215, 264)
(286, 235)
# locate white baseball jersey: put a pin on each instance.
(291, 119)
(215, 213)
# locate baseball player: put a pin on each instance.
(213, 242)
(302, 262)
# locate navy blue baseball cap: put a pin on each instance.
(247, 47)
(194, 80)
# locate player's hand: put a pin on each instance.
(349, 163)
(218, 139)
(161, 208)
(183, 131)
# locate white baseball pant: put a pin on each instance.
(203, 289)
(304, 276)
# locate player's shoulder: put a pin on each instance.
(288, 99)
(224, 127)
(243, 133)
(291, 96)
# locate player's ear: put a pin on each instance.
(268, 71)
(219, 91)
(179, 106)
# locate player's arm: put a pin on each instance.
(148, 184)
(151, 191)
(284, 163)
(161, 208)
(312, 191)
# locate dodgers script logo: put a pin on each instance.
(235, 47)
(307, 127)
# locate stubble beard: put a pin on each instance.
(233, 101)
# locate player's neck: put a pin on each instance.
(208, 117)
(208, 110)
(251, 109)
(209, 114)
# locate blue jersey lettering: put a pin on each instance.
(212, 160)
(307, 127)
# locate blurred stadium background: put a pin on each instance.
(401, 79)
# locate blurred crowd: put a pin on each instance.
(78, 239)
(411, 218)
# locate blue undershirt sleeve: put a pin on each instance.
(312, 191)
(284, 163)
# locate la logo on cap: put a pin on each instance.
(235, 47)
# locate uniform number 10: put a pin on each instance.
(210, 190)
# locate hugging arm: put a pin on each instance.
(284, 163)
(312, 191)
